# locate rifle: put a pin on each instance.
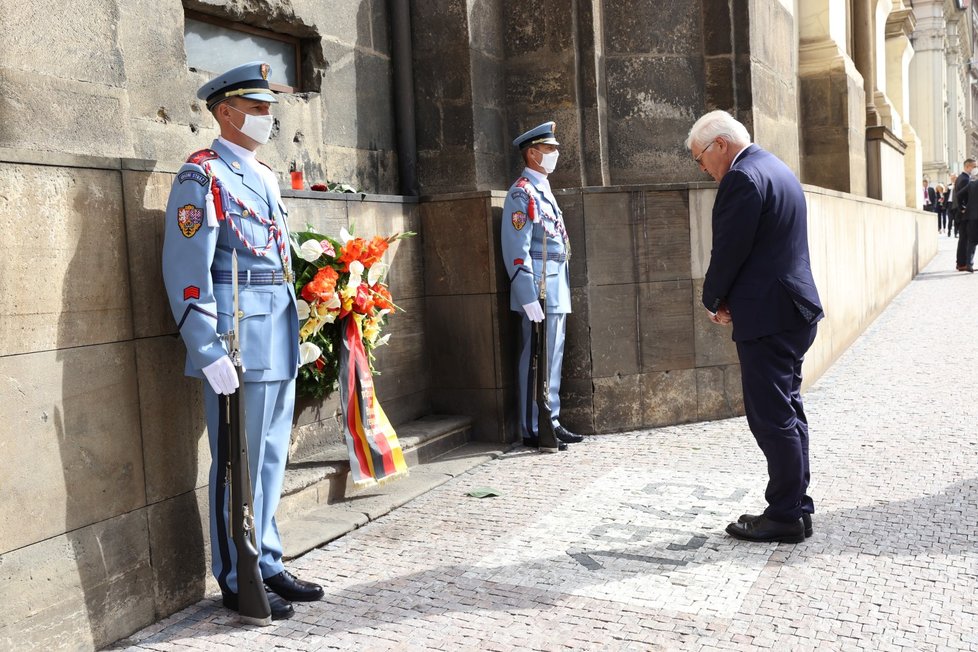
(546, 437)
(253, 606)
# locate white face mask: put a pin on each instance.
(256, 127)
(548, 161)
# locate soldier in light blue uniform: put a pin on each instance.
(222, 200)
(531, 222)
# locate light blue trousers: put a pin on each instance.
(556, 325)
(268, 415)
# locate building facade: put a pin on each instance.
(103, 494)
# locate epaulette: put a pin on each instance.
(201, 156)
(524, 184)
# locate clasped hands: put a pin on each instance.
(722, 316)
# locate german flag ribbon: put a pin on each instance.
(375, 454)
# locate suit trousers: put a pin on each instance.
(528, 414)
(268, 414)
(771, 375)
(966, 249)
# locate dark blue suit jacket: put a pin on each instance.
(760, 265)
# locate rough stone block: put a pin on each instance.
(80, 590)
(456, 246)
(153, 51)
(537, 89)
(444, 171)
(700, 231)
(42, 112)
(665, 315)
(77, 457)
(171, 411)
(493, 411)
(577, 405)
(662, 93)
(719, 82)
(716, 27)
(146, 195)
(609, 226)
(719, 394)
(80, 45)
(614, 317)
(712, 342)
(618, 403)
(665, 236)
(507, 333)
(324, 213)
(669, 397)
(641, 27)
(403, 361)
(461, 344)
(572, 206)
(179, 542)
(406, 256)
(577, 342)
(67, 283)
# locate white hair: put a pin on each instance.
(716, 124)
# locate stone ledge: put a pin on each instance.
(325, 523)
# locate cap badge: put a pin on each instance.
(265, 68)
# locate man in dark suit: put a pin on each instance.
(962, 217)
(930, 197)
(760, 281)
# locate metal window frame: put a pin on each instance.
(294, 41)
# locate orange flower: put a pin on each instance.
(321, 286)
(351, 251)
(382, 297)
(374, 251)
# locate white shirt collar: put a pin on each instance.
(536, 177)
(236, 149)
(739, 154)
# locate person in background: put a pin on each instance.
(941, 193)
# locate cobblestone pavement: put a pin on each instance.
(619, 544)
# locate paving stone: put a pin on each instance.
(618, 544)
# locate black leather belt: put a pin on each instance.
(250, 278)
(557, 258)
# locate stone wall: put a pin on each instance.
(113, 81)
(103, 517)
(640, 351)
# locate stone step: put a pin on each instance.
(322, 477)
(315, 526)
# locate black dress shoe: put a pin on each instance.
(764, 529)
(534, 442)
(281, 609)
(806, 519)
(292, 588)
(566, 436)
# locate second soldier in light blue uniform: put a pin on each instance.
(531, 222)
(224, 200)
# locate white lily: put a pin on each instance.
(381, 341)
(334, 302)
(302, 307)
(345, 235)
(310, 251)
(356, 274)
(309, 352)
(376, 273)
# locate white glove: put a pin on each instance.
(533, 311)
(222, 376)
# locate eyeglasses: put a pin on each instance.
(697, 159)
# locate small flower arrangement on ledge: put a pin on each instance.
(338, 279)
